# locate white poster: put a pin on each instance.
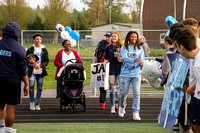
(100, 75)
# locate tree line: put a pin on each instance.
(59, 11)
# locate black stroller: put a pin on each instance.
(73, 77)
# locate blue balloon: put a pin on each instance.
(68, 29)
(170, 20)
(167, 34)
(75, 35)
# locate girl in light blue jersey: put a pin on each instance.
(133, 57)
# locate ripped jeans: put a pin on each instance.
(124, 88)
(114, 85)
(39, 80)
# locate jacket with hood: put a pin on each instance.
(100, 50)
(12, 55)
(44, 60)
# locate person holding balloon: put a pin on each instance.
(61, 58)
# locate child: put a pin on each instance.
(185, 41)
(166, 67)
(32, 59)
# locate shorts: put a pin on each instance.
(195, 110)
(10, 91)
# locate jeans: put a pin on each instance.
(39, 80)
(124, 88)
(113, 83)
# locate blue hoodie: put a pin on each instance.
(129, 67)
(13, 59)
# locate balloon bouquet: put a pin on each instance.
(66, 33)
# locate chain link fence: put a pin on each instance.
(88, 42)
(89, 38)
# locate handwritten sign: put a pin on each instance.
(100, 75)
(173, 95)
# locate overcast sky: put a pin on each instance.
(74, 3)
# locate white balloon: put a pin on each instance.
(73, 42)
(64, 35)
(60, 28)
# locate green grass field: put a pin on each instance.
(50, 82)
(90, 128)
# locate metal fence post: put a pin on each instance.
(22, 43)
(78, 44)
(95, 88)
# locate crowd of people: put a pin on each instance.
(126, 61)
(125, 65)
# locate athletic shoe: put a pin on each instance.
(116, 106)
(112, 110)
(102, 106)
(121, 111)
(37, 107)
(10, 130)
(2, 129)
(32, 106)
(136, 117)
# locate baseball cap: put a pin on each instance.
(108, 33)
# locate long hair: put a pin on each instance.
(118, 43)
(127, 39)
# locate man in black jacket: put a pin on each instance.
(13, 69)
(99, 56)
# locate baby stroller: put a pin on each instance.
(73, 76)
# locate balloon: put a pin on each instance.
(167, 34)
(60, 27)
(170, 20)
(73, 42)
(68, 29)
(75, 35)
(64, 35)
(122, 43)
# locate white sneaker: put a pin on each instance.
(10, 130)
(136, 117)
(1, 129)
(32, 106)
(113, 110)
(121, 111)
(37, 107)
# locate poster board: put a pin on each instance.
(100, 75)
(173, 95)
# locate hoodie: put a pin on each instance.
(130, 68)
(12, 55)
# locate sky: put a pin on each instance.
(74, 3)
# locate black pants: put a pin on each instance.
(102, 97)
(59, 87)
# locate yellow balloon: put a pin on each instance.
(122, 43)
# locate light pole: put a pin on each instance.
(174, 9)
(184, 9)
(110, 12)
